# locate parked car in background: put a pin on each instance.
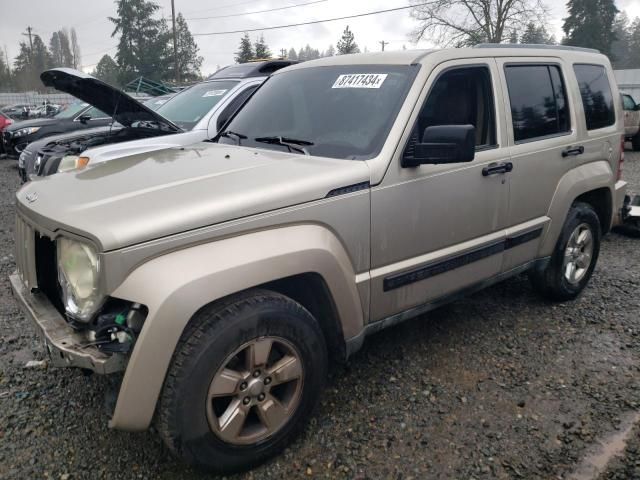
(75, 116)
(631, 121)
(18, 111)
(199, 111)
(351, 193)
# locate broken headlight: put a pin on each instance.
(78, 274)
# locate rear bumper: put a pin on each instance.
(66, 347)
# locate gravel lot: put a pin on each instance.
(499, 385)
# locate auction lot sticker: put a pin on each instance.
(360, 80)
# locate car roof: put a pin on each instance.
(411, 57)
(262, 68)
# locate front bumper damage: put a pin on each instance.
(66, 346)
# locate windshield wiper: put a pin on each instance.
(230, 134)
(291, 143)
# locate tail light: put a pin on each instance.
(621, 162)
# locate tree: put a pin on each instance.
(245, 50)
(465, 23)
(6, 83)
(330, 51)
(107, 70)
(143, 46)
(40, 56)
(30, 63)
(292, 55)
(634, 45)
(56, 50)
(189, 62)
(262, 49)
(65, 48)
(590, 24)
(513, 37)
(620, 47)
(75, 49)
(536, 35)
(347, 43)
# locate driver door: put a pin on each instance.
(437, 229)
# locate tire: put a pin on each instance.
(635, 142)
(192, 424)
(553, 281)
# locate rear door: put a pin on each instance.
(544, 142)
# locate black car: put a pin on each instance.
(76, 116)
(132, 120)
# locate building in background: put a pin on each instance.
(629, 82)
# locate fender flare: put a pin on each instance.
(575, 182)
(176, 285)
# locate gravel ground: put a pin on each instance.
(499, 385)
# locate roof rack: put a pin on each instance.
(536, 46)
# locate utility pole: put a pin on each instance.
(383, 43)
(28, 34)
(175, 42)
(283, 52)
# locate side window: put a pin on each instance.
(538, 101)
(628, 102)
(96, 114)
(234, 105)
(462, 96)
(596, 96)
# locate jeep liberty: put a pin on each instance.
(349, 193)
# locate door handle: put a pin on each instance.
(495, 168)
(573, 151)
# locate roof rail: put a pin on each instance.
(537, 46)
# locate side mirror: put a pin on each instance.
(444, 144)
(84, 118)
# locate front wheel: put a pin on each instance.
(574, 257)
(635, 142)
(243, 381)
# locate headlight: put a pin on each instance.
(78, 274)
(25, 131)
(72, 162)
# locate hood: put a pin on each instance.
(143, 197)
(36, 122)
(103, 96)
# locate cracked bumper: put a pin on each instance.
(66, 347)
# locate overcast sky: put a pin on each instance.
(89, 17)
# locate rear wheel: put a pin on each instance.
(243, 382)
(574, 257)
(635, 142)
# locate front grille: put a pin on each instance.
(25, 253)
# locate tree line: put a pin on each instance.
(259, 50)
(145, 48)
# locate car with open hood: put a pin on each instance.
(198, 112)
(351, 193)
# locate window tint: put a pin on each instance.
(596, 96)
(628, 102)
(459, 97)
(538, 101)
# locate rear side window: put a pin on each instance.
(538, 101)
(596, 96)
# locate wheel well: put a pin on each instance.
(600, 200)
(311, 291)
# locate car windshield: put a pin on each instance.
(342, 112)
(188, 107)
(72, 110)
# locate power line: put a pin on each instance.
(246, 30)
(259, 11)
(229, 5)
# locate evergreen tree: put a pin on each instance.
(6, 83)
(65, 48)
(55, 48)
(620, 47)
(107, 70)
(262, 49)
(30, 63)
(292, 55)
(189, 62)
(75, 49)
(245, 50)
(590, 24)
(301, 56)
(331, 51)
(535, 35)
(40, 56)
(347, 43)
(513, 38)
(634, 44)
(143, 46)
